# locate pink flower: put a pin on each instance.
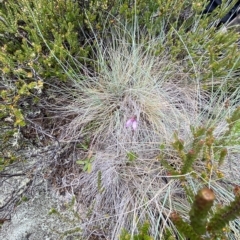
(134, 125)
(132, 122)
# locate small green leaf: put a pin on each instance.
(131, 156)
(85, 168)
(80, 162)
(87, 164)
(89, 167)
(162, 147)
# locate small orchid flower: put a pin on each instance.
(134, 125)
(132, 122)
(129, 122)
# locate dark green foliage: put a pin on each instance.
(234, 122)
(8, 144)
(204, 147)
(39, 42)
(201, 137)
(142, 235)
(183, 227)
(224, 215)
(233, 131)
(200, 208)
(39, 39)
(185, 34)
(49, 38)
(223, 154)
(200, 226)
(168, 235)
(99, 182)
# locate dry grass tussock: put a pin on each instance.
(131, 82)
(120, 192)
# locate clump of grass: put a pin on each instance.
(131, 82)
(122, 191)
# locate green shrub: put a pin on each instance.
(39, 40)
(47, 40)
(183, 31)
(205, 147)
(204, 224)
(143, 233)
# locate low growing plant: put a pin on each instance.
(204, 225)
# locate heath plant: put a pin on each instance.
(201, 225)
